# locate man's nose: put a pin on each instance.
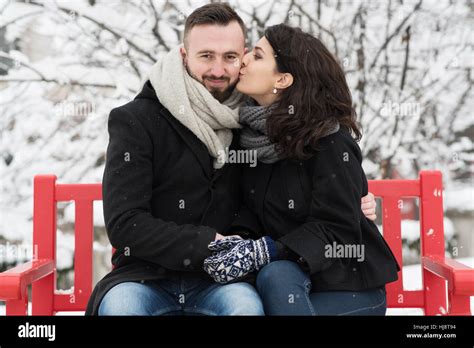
(217, 69)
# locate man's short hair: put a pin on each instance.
(215, 13)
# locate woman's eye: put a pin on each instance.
(256, 56)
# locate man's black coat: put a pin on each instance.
(163, 200)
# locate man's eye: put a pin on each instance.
(232, 58)
(207, 56)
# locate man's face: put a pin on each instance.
(212, 55)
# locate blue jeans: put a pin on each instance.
(286, 290)
(184, 295)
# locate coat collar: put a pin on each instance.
(196, 146)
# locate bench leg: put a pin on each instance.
(459, 305)
(42, 296)
(17, 307)
(435, 294)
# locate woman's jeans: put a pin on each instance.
(286, 290)
(181, 295)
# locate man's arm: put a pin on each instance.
(127, 194)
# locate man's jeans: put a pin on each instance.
(286, 290)
(183, 295)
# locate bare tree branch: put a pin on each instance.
(102, 26)
(327, 31)
(395, 33)
(155, 29)
(26, 65)
(20, 18)
(71, 83)
(407, 53)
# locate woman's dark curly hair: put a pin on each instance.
(318, 97)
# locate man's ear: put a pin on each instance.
(284, 81)
(182, 50)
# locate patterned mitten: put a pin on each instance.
(245, 257)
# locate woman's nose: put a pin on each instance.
(245, 60)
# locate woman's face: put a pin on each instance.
(259, 75)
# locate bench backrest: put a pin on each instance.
(47, 193)
(428, 188)
(45, 297)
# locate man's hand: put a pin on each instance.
(224, 243)
(220, 236)
(368, 206)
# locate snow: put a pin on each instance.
(14, 226)
(411, 229)
(98, 213)
(460, 198)
(64, 250)
(412, 281)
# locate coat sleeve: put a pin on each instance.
(127, 193)
(335, 213)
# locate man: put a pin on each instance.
(166, 194)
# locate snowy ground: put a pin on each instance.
(411, 277)
(412, 281)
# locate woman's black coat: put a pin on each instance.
(313, 205)
(163, 201)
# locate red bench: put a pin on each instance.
(447, 284)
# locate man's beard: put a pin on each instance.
(221, 96)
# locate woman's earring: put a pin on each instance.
(275, 91)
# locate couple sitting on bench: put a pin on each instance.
(197, 234)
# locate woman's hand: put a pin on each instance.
(368, 206)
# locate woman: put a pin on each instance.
(319, 255)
